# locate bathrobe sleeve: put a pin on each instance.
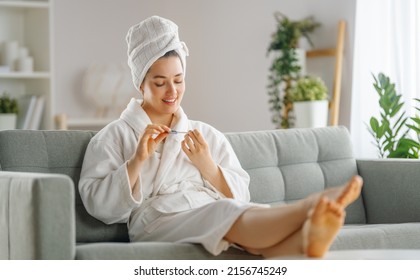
(104, 185)
(224, 156)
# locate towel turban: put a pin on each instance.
(148, 41)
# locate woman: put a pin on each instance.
(177, 180)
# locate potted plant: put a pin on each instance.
(394, 134)
(8, 112)
(287, 63)
(310, 102)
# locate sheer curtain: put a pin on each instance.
(387, 39)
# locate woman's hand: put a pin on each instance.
(147, 144)
(197, 150)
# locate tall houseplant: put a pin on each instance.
(393, 134)
(285, 69)
(8, 112)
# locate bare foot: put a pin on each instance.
(321, 227)
(350, 192)
(343, 195)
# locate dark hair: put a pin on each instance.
(170, 53)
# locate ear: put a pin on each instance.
(141, 89)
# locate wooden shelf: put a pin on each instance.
(25, 75)
(321, 53)
(25, 4)
(88, 122)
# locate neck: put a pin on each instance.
(158, 117)
(165, 119)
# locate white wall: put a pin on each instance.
(227, 68)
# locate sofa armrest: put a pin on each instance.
(37, 217)
(391, 191)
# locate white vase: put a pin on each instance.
(310, 113)
(10, 54)
(8, 121)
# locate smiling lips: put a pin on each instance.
(169, 101)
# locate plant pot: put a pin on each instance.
(310, 113)
(8, 121)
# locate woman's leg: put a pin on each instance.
(277, 229)
(259, 228)
(316, 235)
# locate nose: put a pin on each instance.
(172, 88)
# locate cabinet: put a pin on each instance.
(29, 24)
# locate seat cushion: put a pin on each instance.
(153, 251)
(378, 236)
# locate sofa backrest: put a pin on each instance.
(284, 165)
(57, 152)
(288, 165)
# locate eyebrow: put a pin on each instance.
(164, 77)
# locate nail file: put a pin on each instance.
(177, 132)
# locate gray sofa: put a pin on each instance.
(42, 216)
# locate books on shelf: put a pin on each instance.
(31, 110)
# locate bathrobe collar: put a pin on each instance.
(137, 119)
(135, 116)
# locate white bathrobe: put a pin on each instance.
(175, 203)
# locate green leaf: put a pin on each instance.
(406, 142)
(374, 124)
(378, 89)
(397, 131)
(396, 109)
(415, 128)
(389, 146)
(401, 120)
(417, 120)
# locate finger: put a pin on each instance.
(161, 137)
(188, 141)
(159, 127)
(153, 130)
(185, 148)
(199, 137)
(194, 138)
(165, 128)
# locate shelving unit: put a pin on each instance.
(29, 24)
(64, 123)
(25, 4)
(337, 53)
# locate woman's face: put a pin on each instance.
(163, 87)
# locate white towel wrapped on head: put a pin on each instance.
(148, 41)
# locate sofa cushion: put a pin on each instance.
(288, 165)
(391, 192)
(154, 251)
(378, 236)
(57, 152)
